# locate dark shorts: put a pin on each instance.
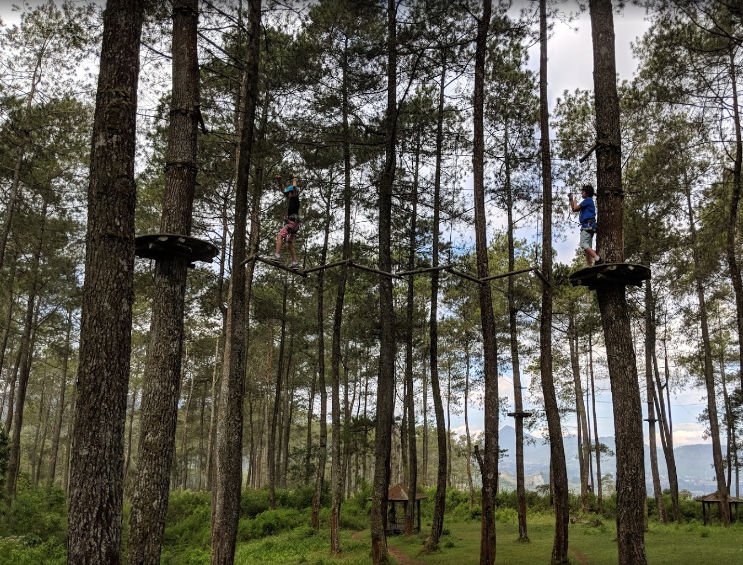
(289, 231)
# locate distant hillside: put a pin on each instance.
(693, 463)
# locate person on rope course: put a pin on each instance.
(587, 220)
(290, 229)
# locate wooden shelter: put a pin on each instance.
(714, 498)
(398, 494)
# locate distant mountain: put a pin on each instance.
(693, 463)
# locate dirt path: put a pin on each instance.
(579, 557)
(400, 557)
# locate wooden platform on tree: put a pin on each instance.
(610, 274)
(521, 414)
(168, 245)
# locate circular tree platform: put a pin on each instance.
(610, 274)
(169, 245)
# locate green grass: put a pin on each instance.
(594, 545)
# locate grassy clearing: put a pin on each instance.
(589, 544)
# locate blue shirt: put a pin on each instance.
(587, 216)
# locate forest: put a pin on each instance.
(304, 281)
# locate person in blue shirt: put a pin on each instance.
(289, 231)
(587, 220)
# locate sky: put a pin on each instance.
(570, 66)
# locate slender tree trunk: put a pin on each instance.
(709, 376)
(61, 401)
(162, 374)
(489, 463)
(650, 387)
(9, 282)
(184, 436)
(228, 468)
(468, 438)
(730, 242)
(557, 449)
(439, 504)
(584, 453)
(96, 486)
(212, 437)
(274, 445)
(129, 442)
(386, 378)
(322, 453)
(38, 445)
(26, 349)
(412, 454)
(515, 365)
(612, 300)
(336, 473)
(597, 441)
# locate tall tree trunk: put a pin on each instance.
(612, 300)
(26, 357)
(709, 376)
(439, 504)
(7, 327)
(584, 452)
(597, 441)
(489, 464)
(468, 438)
(228, 468)
(666, 439)
(162, 373)
(336, 472)
(650, 391)
(412, 454)
(37, 447)
(557, 449)
(386, 378)
(96, 486)
(274, 445)
(61, 401)
(128, 459)
(322, 453)
(184, 434)
(730, 241)
(515, 364)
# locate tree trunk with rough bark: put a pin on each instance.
(612, 300)
(228, 467)
(386, 377)
(25, 352)
(709, 375)
(489, 465)
(557, 449)
(96, 486)
(162, 373)
(57, 433)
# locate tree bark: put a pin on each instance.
(336, 471)
(650, 391)
(584, 451)
(386, 378)
(61, 401)
(96, 486)
(228, 468)
(489, 466)
(25, 352)
(557, 449)
(612, 300)
(322, 453)
(515, 365)
(439, 504)
(709, 375)
(162, 374)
